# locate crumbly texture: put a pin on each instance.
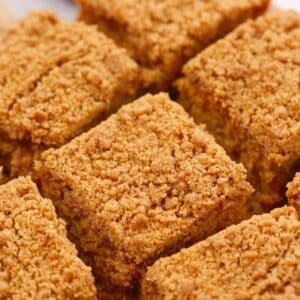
(7, 19)
(246, 89)
(37, 261)
(163, 35)
(142, 184)
(293, 192)
(257, 259)
(75, 78)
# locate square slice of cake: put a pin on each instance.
(37, 261)
(257, 259)
(142, 184)
(57, 79)
(246, 89)
(162, 35)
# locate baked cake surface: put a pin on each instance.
(142, 184)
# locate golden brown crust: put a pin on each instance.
(293, 192)
(76, 77)
(246, 88)
(145, 182)
(257, 259)
(37, 261)
(163, 35)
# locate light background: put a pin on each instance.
(67, 10)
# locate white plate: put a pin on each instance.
(288, 4)
(67, 9)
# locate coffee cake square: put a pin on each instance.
(246, 89)
(140, 185)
